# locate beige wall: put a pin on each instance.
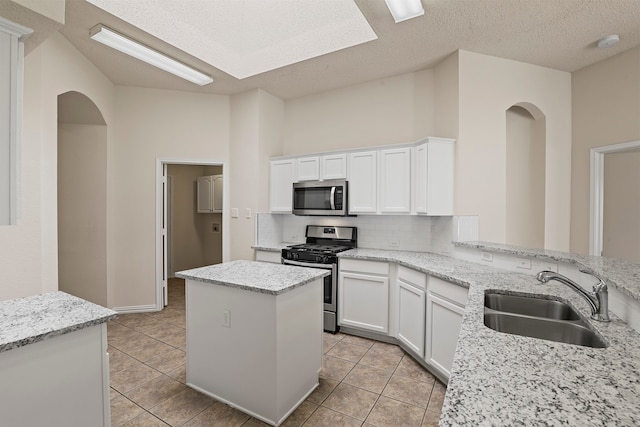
(606, 111)
(151, 125)
(488, 86)
(525, 179)
(387, 111)
(621, 218)
(82, 211)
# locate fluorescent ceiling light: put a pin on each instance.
(131, 47)
(404, 9)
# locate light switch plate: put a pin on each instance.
(234, 213)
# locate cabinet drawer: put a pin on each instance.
(414, 277)
(448, 290)
(371, 267)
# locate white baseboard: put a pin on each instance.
(136, 309)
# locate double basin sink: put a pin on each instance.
(536, 317)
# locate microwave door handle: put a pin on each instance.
(332, 199)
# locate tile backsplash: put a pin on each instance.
(396, 232)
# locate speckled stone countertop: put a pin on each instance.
(499, 379)
(277, 247)
(622, 275)
(263, 277)
(35, 318)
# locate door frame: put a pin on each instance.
(597, 191)
(161, 200)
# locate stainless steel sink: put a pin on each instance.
(530, 306)
(538, 318)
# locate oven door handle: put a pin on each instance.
(332, 199)
(307, 264)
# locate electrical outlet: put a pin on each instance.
(234, 213)
(215, 227)
(524, 263)
(248, 213)
(394, 243)
(226, 318)
(486, 256)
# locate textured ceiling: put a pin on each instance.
(559, 34)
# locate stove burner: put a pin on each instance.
(320, 249)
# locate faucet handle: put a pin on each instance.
(598, 287)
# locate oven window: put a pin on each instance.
(312, 198)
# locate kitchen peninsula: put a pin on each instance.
(254, 335)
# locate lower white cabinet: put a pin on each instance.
(411, 309)
(445, 308)
(363, 295)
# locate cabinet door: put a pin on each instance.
(282, 173)
(395, 181)
(364, 301)
(435, 178)
(217, 193)
(443, 327)
(205, 191)
(333, 166)
(411, 320)
(308, 168)
(363, 182)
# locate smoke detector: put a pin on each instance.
(608, 41)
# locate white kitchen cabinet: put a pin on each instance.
(363, 180)
(434, 177)
(333, 166)
(308, 168)
(209, 194)
(363, 295)
(282, 175)
(394, 188)
(445, 308)
(269, 256)
(411, 309)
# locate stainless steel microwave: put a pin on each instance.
(320, 198)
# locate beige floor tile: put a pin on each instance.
(325, 417)
(322, 391)
(368, 378)
(113, 393)
(149, 349)
(388, 412)
(437, 397)
(411, 369)
(334, 368)
(180, 408)
(135, 320)
(255, 423)
(300, 415)
(330, 340)
(431, 419)
(351, 401)
(348, 351)
(145, 420)
(219, 415)
(155, 391)
(409, 391)
(119, 361)
(123, 410)
(381, 360)
(180, 374)
(167, 362)
(133, 377)
(364, 342)
(131, 342)
(387, 348)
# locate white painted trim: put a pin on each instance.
(136, 309)
(597, 191)
(15, 29)
(160, 163)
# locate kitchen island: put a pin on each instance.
(254, 335)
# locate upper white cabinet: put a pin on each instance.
(308, 168)
(445, 308)
(434, 174)
(395, 181)
(12, 36)
(363, 179)
(364, 295)
(333, 166)
(282, 177)
(210, 194)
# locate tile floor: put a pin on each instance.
(362, 383)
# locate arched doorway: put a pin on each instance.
(82, 198)
(525, 180)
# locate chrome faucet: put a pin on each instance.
(598, 299)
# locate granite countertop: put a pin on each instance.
(35, 318)
(263, 277)
(499, 379)
(276, 247)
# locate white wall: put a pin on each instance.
(606, 111)
(152, 124)
(488, 86)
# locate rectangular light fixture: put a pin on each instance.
(131, 47)
(405, 9)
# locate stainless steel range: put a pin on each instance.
(320, 251)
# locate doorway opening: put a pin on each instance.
(82, 198)
(189, 233)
